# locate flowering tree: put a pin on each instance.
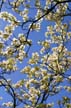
(47, 72)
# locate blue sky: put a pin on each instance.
(35, 36)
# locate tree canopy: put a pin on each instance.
(35, 46)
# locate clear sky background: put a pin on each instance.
(35, 36)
